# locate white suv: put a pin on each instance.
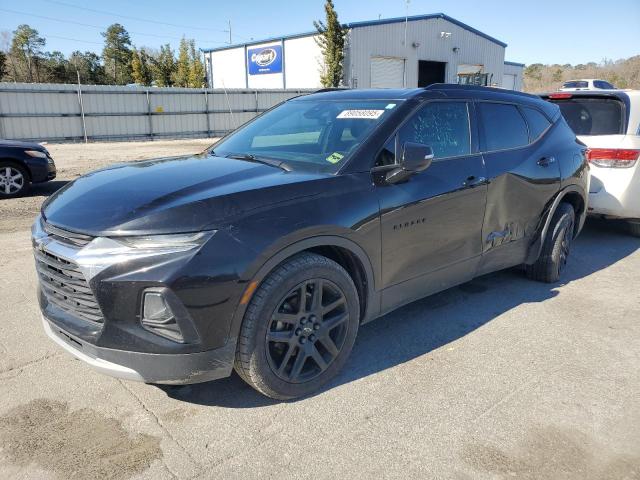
(608, 123)
(585, 84)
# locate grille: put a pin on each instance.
(67, 237)
(64, 285)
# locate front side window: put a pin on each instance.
(443, 126)
(318, 134)
(503, 126)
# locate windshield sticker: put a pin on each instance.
(335, 157)
(367, 114)
(390, 106)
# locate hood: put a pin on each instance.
(172, 195)
(19, 144)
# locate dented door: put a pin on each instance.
(522, 179)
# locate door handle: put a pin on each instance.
(546, 161)
(474, 181)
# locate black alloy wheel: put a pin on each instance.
(307, 330)
(299, 327)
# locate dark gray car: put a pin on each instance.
(21, 164)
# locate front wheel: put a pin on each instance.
(556, 247)
(14, 180)
(299, 328)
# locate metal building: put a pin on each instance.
(396, 52)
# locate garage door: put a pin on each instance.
(509, 81)
(387, 72)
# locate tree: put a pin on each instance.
(181, 78)
(3, 63)
(26, 48)
(163, 66)
(196, 70)
(331, 40)
(55, 68)
(140, 71)
(88, 65)
(117, 53)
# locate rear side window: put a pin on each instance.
(593, 116)
(444, 126)
(575, 85)
(602, 84)
(538, 123)
(502, 126)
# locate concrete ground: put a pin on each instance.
(498, 378)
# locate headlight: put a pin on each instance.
(36, 153)
(174, 243)
(102, 252)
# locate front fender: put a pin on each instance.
(259, 270)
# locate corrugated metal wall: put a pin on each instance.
(54, 112)
(517, 72)
(387, 40)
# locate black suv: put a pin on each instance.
(269, 250)
(21, 164)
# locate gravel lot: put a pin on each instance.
(498, 378)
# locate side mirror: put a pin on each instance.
(416, 157)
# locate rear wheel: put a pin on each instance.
(634, 228)
(14, 180)
(556, 247)
(299, 327)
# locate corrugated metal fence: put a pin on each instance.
(68, 113)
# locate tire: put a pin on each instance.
(634, 228)
(556, 246)
(14, 180)
(289, 348)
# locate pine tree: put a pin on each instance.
(3, 63)
(331, 42)
(117, 53)
(196, 70)
(140, 69)
(136, 67)
(26, 48)
(183, 66)
(164, 67)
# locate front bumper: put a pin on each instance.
(172, 369)
(41, 170)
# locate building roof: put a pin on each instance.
(369, 23)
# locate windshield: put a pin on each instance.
(318, 134)
(593, 116)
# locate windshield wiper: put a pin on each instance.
(267, 161)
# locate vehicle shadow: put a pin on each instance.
(430, 323)
(46, 189)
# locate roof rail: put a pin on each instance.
(331, 89)
(455, 86)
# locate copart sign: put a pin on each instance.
(264, 60)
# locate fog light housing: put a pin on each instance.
(158, 317)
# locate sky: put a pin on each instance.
(542, 31)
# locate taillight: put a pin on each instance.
(613, 157)
(560, 95)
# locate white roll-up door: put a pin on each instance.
(509, 81)
(387, 72)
